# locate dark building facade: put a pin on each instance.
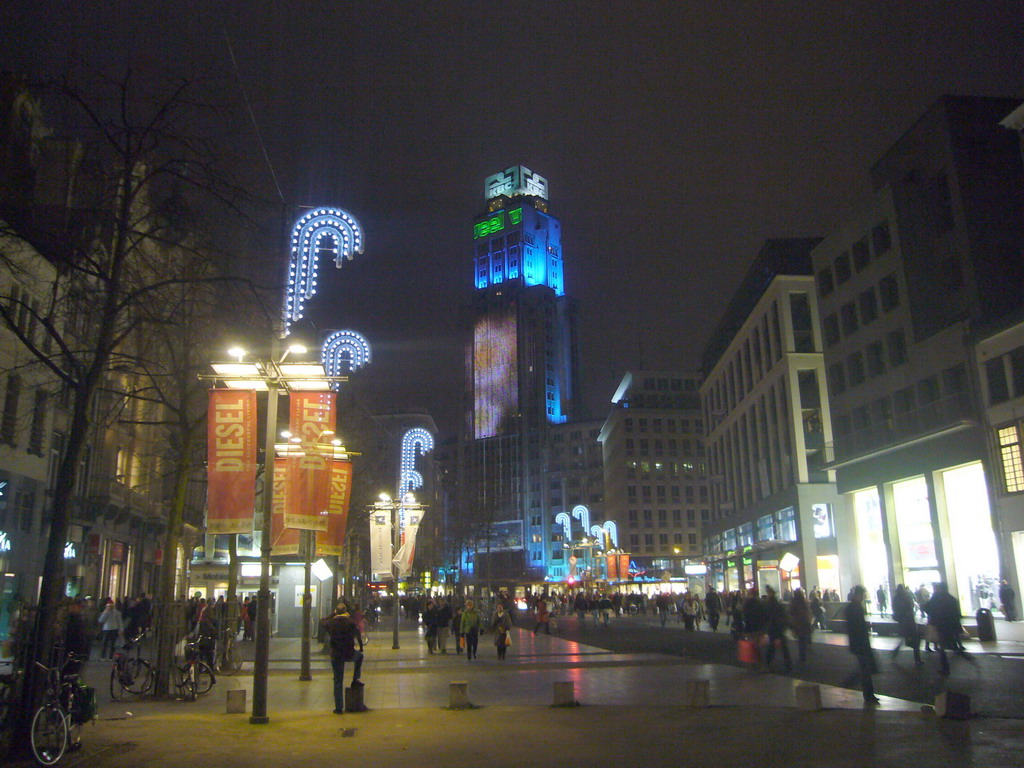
(521, 377)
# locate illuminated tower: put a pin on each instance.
(521, 362)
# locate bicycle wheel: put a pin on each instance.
(204, 677)
(49, 734)
(117, 686)
(187, 675)
(231, 660)
(138, 676)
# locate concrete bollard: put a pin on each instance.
(564, 694)
(354, 698)
(458, 695)
(698, 693)
(236, 701)
(953, 705)
(808, 697)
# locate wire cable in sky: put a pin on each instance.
(252, 117)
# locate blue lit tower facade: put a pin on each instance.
(522, 372)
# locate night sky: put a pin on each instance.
(675, 138)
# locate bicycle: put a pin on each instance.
(134, 675)
(197, 669)
(229, 659)
(67, 706)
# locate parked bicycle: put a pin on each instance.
(67, 705)
(229, 660)
(134, 675)
(196, 668)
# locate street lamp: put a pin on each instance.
(272, 376)
(408, 503)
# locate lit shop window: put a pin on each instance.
(1009, 451)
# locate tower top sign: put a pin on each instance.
(517, 180)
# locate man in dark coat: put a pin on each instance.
(342, 631)
(713, 606)
(860, 642)
(76, 637)
(944, 615)
(1008, 597)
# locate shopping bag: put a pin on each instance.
(462, 641)
(747, 651)
(508, 639)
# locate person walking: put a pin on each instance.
(342, 631)
(713, 607)
(775, 627)
(543, 616)
(457, 636)
(755, 620)
(860, 643)
(605, 606)
(688, 608)
(882, 598)
(800, 623)
(111, 624)
(903, 614)
(944, 617)
(501, 626)
(444, 620)
(430, 622)
(470, 627)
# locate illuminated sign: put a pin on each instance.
(496, 223)
(821, 514)
(70, 551)
(495, 373)
(517, 180)
(695, 570)
(5, 543)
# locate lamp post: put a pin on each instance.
(408, 502)
(272, 376)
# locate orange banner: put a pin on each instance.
(231, 461)
(309, 460)
(285, 541)
(331, 542)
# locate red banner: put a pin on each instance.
(284, 541)
(309, 460)
(231, 461)
(331, 542)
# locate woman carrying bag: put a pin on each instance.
(470, 627)
(501, 625)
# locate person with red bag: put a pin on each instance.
(501, 625)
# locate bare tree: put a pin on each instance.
(123, 269)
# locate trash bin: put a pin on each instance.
(986, 624)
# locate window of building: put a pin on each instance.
(830, 327)
(677, 538)
(800, 314)
(848, 313)
(889, 290)
(663, 539)
(1016, 357)
(825, 284)
(855, 369)
(634, 540)
(1009, 452)
(648, 539)
(842, 265)
(881, 238)
(995, 373)
(9, 419)
(785, 524)
(691, 539)
(861, 255)
(836, 379)
(875, 359)
(868, 306)
(897, 348)
(766, 528)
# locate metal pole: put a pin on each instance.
(396, 543)
(261, 661)
(307, 607)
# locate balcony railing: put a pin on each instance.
(928, 419)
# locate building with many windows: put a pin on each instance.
(655, 476)
(774, 520)
(935, 253)
(521, 378)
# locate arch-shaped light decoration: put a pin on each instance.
(414, 440)
(566, 523)
(344, 351)
(581, 513)
(613, 532)
(320, 229)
